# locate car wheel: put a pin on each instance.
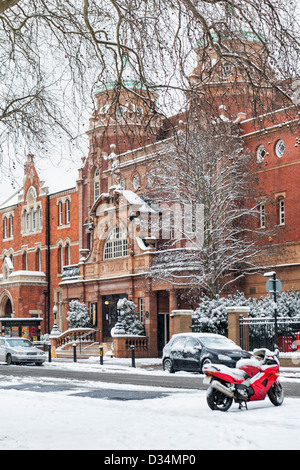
(206, 361)
(38, 363)
(168, 366)
(8, 359)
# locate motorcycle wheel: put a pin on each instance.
(276, 394)
(217, 400)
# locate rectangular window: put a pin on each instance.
(108, 253)
(118, 244)
(262, 216)
(93, 313)
(97, 189)
(141, 309)
(27, 222)
(24, 261)
(38, 260)
(33, 221)
(281, 211)
(40, 218)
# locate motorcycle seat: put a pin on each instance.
(237, 374)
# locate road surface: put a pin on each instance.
(76, 378)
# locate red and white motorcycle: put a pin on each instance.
(252, 380)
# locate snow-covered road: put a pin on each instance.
(179, 421)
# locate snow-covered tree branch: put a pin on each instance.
(207, 187)
(53, 55)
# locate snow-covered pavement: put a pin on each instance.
(179, 421)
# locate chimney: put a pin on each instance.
(28, 164)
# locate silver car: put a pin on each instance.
(20, 350)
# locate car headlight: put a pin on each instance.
(222, 357)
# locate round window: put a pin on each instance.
(261, 153)
(280, 148)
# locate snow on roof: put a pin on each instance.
(135, 200)
(11, 200)
(55, 179)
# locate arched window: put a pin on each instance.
(68, 211)
(27, 221)
(24, 261)
(60, 213)
(33, 220)
(5, 227)
(60, 259)
(38, 260)
(116, 245)
(39, 219)
(11, 226)
(67, 254)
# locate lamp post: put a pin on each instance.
(55, 330)
(274, 287)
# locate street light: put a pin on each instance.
(274, 291)
(55, 331)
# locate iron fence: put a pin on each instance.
(260, 332)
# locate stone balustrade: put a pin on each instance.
(75, 335)
(122, 346)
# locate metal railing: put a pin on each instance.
(260, 332)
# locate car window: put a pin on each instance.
(218, 342)
(192, 343)
(178, 343)
(2, 342)
(19, 343)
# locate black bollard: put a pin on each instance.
(74, 353)
(101, 355)
(132, 356)
(49, 353)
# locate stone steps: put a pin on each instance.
(82, 352)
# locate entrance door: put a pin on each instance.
(8, 309)
(163, 335)
(109, 313)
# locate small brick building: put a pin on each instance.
(38, 237)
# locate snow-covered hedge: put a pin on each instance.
(78, 315)
(211, 315)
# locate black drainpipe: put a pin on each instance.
(48, 274)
